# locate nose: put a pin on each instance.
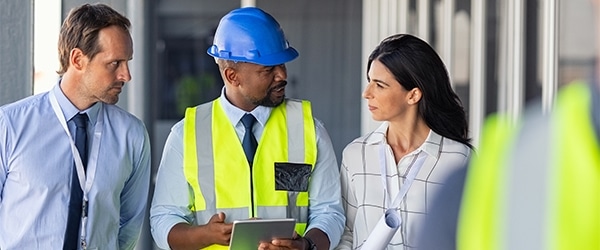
(367, 92)
(280, 72)
(124, 75)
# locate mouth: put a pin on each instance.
(118, 87)
(279, 90)
(280, 87)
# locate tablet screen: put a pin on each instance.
(247, 234)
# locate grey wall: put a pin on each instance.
(16, 50)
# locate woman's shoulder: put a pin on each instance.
(452, 146)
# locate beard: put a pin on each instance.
(97, 91)
(271, 100)
(111, 96)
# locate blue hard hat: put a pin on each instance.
(251, 35)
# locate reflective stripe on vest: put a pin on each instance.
(536, 187)
(219, 175)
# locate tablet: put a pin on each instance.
(247, 234)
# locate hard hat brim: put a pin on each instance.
(282, 57)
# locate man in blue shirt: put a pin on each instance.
(218, 167)
(42, 170)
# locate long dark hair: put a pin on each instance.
(415, 64)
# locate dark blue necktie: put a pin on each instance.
(249, 142)
(76, 199)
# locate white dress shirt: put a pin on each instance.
(364, 197)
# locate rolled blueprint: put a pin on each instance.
(383, 232)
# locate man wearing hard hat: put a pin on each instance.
(251, 153)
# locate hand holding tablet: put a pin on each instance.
(247, 234)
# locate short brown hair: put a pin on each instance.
(80, 30)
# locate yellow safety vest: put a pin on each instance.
(220, 177)
(506, 205)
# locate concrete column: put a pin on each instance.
(550, 14)
(478, 75)
(16, 50)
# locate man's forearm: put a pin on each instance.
(319, 237)
(185, 236)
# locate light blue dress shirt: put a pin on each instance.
(171, 197)
(36, 164)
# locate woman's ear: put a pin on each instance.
(414, 96)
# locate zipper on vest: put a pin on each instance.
(252, 193)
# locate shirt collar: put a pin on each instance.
(69, 110)
(261, 113)
(378, 135)
(431, 146)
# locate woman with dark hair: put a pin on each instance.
(397, 168)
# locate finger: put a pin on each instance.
(285, 243)
(269, 246)
(226, 237)
(213, 218)
(263, 246)
(217, 218)
(227, 228)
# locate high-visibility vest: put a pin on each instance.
(218, 173)
(536, 185)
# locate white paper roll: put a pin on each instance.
(383, 232)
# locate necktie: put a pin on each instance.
(249, 142)
(76, 199)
